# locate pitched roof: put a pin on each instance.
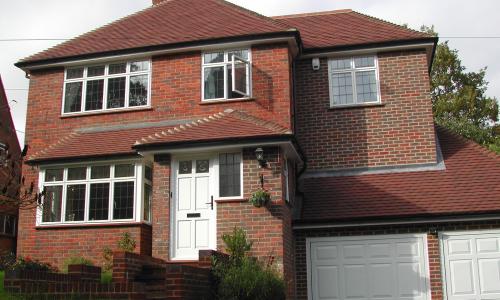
(224, 126)
(346, 28)
(470, 184)
(170, 22)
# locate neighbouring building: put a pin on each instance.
(163, 123)
(10, 172)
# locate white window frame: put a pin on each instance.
(84, 79)
(150, 183)
(217, 176)
(138, 180)
(225, 64)
(352, 70)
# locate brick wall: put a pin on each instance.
(398, 132)
(432, 240)
(176, 94)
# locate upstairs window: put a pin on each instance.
(226, 75)
(353, 81)
(105, 87)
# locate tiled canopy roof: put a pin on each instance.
(224, 126)
(345, 28)
(470, 184)
(170, 22)
(174, 22)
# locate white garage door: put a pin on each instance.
(370, 267)
(472, 265)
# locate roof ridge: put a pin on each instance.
(470, 142)
(53, 145)
(248, 11)
(85, 34)
(391, 23)
(181, 127)
(311, 14)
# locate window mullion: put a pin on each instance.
(225, 81)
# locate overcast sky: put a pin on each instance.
(456, 20)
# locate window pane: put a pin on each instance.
(75, 202)
(10, 225)
(202, 166)
(341, 64)
(214, 82)
(185, 167)
(98, 172)
(74, 73)
(95, 92)
(73, 97)
(230, 93)
(363, 62)
(51, 209)
(139, 66)
(95, 71)
(342, 88)
(240, 53)
(117, 68)
(215, 57)
(148, 173)
(99, 201)
(147, 202)
(123, 200)
(229, 175)
(240, 78)
(79, 173)
(366, 86)
(2, 223)
(125, 170)
(116, 92)
(138, 94)
(53, 175)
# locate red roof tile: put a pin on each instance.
(470, 184)
(346, 28)
(221, 126)
(170, 22)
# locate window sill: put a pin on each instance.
(231, 200)
(367, 105)
(110, 111)
(90, 225)
(207, 102)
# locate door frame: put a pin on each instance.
(441, 236)
(173, 193)
(310, 240)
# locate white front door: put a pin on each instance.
(193, 210)
(472, 265)
(380, 267)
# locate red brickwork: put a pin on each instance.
(398, 132)
(432, 240)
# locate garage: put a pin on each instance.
(368, 267)
(471, 264)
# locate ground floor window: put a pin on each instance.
(96, 193)
(8, 225)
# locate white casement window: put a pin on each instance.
(105, 87)
(8, 225)
(226, 75)
(95, 193)
(230, 175)
(354, 81)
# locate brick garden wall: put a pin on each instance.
(398, 132)
(432, 240)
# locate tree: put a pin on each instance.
(459, 100)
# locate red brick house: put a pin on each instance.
(9, 170)
(150, 125)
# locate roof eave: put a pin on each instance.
(292, 36)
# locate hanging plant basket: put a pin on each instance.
(260, 198)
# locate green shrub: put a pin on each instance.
(106, 277)
(242, 277)
(76, 260)
(26, 263)
(107, 255)
(7, 261)
(126, 243)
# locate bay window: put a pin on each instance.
(226, 75)
(95, 193)
(353, 81)
(107, 86)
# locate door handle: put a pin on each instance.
(211, 202)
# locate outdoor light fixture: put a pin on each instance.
(259, 154)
